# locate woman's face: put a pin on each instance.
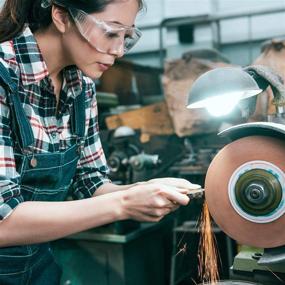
(94, 61)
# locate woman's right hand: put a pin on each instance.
(150, 202)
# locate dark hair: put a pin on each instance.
(16, 13)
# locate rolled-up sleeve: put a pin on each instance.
(10, 193)
(92, 170)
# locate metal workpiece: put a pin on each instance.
(196, 194)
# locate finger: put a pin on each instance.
(185, 184)
(169, 204)
(174, 196)
(148, 218)
(173, 207)
(160, 202)
(152, 219)
(176, 207)
(156, 214)
(181, 190)
(169, 192)
(159, 212)
(177, 182)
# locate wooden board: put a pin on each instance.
(153, 119)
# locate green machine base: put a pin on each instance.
(246, 267)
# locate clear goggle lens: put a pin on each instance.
(105, 36)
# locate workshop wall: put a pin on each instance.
(234, 44)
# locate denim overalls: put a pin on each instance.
(44, 177)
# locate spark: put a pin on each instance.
(207, 255)
(275, 275)
(182, 250)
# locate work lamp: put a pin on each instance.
(221, 89)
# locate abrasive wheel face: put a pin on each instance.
(245, 191)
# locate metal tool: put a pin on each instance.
(196, 193)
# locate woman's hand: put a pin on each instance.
(175, 182)
(150, 201)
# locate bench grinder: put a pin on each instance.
(245, 192)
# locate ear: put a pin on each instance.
(60, 18)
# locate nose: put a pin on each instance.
(117, 49)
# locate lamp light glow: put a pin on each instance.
(221, 89)
(222, 105)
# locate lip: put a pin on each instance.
(104, 66)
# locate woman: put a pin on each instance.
(49, 143)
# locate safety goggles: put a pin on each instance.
(102, 35)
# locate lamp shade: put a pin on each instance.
(221, 84)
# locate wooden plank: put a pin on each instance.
(153, 119)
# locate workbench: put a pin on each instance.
(140, 257)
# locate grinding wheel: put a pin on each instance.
(245, 191)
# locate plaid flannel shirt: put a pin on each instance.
(50, 124)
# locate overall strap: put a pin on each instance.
(20, 121)
(78, 122)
